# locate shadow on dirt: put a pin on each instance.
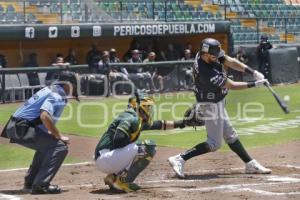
(22, 192)
(209, 176)
(107, 191)
(15, 192)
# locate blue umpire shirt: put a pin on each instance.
(50, 99)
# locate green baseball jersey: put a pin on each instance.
(129, 123)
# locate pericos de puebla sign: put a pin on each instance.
(163, 29)
(63, 31)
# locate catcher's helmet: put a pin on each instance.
(71, 78)
(144, 104)
(212, 47)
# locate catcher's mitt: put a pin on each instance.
(192, 117)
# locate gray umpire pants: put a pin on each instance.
(217, 124)
(49, 156)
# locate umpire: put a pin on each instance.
(33, 126)
(211, 86)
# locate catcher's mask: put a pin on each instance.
(144, 104)
(71, 78)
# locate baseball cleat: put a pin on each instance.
(109, 180)
(177, 163)
(50, 189)
(119, 184)
(27, 186)
(253, 167)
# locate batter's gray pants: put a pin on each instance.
(217, 124)
(49, 156)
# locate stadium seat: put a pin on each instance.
(199, 8)
(42, 78)
(11, 17)
(187, 16)
(2, 18)
(1, 9)
(33, 2)
(125, 15)
(195, 16)
(27, 90)
(203, 15)
(77, 17)
(75, 8)
(162, 17)
(13, 87)
(55, 8)
(170, 16)
(31, 18)
(10, 9)
(179, 10)
(20, 18)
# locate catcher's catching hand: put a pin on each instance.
(192, 117)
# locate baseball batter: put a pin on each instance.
(210, 87)
(118, 152)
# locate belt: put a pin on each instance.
(98, 153)
(33, 123)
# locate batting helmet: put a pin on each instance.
(212, 47)
(71, 78)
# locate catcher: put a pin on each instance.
(118, 152)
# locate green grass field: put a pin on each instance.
(85, 118)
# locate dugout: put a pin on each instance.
(17, 42)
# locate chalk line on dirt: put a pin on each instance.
(272, 180)
(8, 197)
(64, 165)
(293, 166)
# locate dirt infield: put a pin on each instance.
(217, 175)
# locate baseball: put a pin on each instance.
(286, 98)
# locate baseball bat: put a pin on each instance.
(281, 103)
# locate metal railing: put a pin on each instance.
(85, 69)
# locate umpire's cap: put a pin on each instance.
(212, 47)
(71, 77)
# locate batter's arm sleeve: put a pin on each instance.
(235, 64)
(233, 85)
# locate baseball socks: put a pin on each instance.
(177, 162)
(252, 166)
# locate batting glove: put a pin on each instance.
(258, 76)
(261, 83)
